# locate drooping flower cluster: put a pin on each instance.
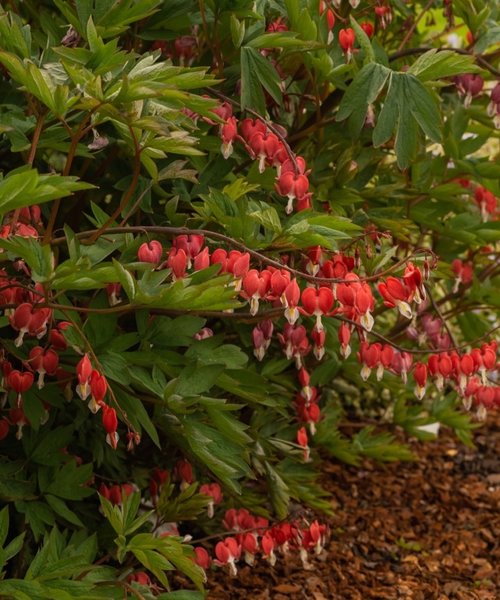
(254, 536)
(267, 144)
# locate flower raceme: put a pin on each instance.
(264, 145)
(253, 536)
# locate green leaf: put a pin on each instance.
(237, 30)
(364, 90)
(383, 446)
(423, 108)
(363, 39)
(195, 379)
(268, 217)
(232, 428)
(61, 509)
(20, 186)
(409, 105)
(137, 413)
(278, 491)
(388, 115)
(257, 71)
(71, 482)
(38, 257)
(4, 524)
(283, 39)
(126, 279)
(48, 445)
(181, 595)
(13, 548)
(445, 63)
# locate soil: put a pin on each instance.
(425, 530)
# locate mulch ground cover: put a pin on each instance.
(425, 530)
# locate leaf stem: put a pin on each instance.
(130, 191)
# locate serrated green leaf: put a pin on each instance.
(363, 39)
(363, 91)
(445, 63)
(257, 71)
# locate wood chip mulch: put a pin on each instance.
(425, 530)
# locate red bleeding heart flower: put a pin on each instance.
(228, 134)
(110, 424)
(150, 252)
(292, 185)
(98, 390)
(83, 373)
(317, 302)
(20, 382)
(303, 442)
(214, 492)
(28, 319)
(330, 23)
(396, 294)
(420, 377)
(255, 287)
(4, 428)
(43, 362)
(177, 261)
(202, 557)
(347, 37)
(368, 29)
(227, 553)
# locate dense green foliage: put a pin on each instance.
(107, 124)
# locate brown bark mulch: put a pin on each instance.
(426, 530)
